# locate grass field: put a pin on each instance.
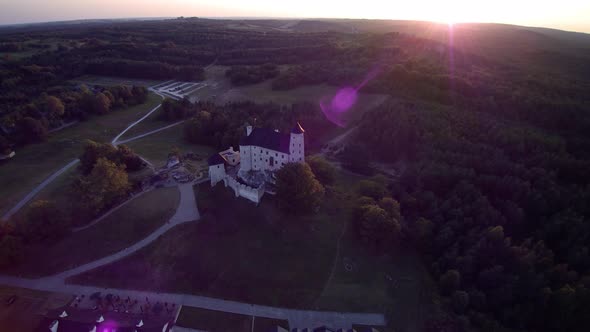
(125, 226)
(258, 255)
(237, 251)
(156, 147)
(34, 163)
(150, 123)
(218, 321)
(221, 91)
(110, 81)
(25, 314)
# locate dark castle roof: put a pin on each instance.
(267, 138)
(216, 159)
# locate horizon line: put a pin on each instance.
(156, 18)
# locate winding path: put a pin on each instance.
(185, 212)
(37, 189)
(59, 172)
(114, 141)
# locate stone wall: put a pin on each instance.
(242, 190)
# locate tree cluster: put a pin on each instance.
(30, 121)
(376, 216)
(298, 190)
(498, 209)
(120, 155)
(242, 75)
(222, 126)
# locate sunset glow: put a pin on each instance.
(566, 14)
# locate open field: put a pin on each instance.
(156, 147)
(50, 44)
(213, 321)
(125, 226)
(109, 81)
(257, 255)
(25, 314)
(34, 163)
(148, 124)
(220, 90)
(237, 251)
(218, 321)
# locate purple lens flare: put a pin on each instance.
(335, 108)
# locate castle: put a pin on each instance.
(262, 151)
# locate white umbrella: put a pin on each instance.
(53, 326)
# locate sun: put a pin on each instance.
(450, 12)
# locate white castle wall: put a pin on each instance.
(242, 190)
(216, 173)
(246, 157)
(296, 148)
(261, 158)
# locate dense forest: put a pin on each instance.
(494, 144)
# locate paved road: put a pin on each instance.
(185, 212)
(187, 208)
(298, 318)
(37, 189)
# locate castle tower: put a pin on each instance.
(297, 144)
(246, 152)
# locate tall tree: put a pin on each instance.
(322, 169)
(103, 187)
(298, 191)
(54, 107)
(101, 104)
(32, 130)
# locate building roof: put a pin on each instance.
(297, 129)
(216, 159)
(267, 138)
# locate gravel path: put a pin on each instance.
(149, 133)
(114, 141)
(37, 189)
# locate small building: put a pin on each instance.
(231, 157)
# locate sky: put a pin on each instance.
(573, 15)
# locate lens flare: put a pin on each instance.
(336, 107)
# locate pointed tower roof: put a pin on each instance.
(297, 129)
